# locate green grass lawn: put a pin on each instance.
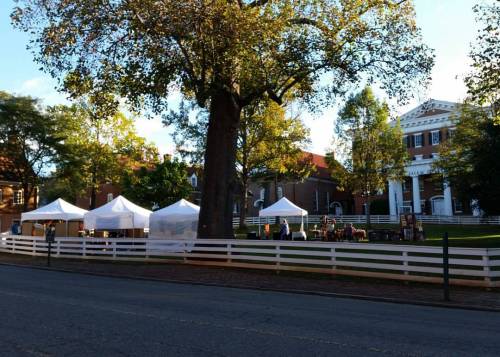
(470, 236)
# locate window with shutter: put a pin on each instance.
(417, 140)
(436, 137)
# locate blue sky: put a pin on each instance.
(448, 26)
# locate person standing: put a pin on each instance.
(284, 230)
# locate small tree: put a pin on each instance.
(158, 186)
(29, 141)
(372, 147)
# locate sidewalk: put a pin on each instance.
(393, 291)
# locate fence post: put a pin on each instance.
(84, 247)
(113, 247)
(58, 248)
(486, 268)
(13, 244)
(405, 262)
(334, 259)
(278, 255)
(229, 245)
(33, 253)
(446, 268)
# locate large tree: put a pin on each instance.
(225, 54)
(269, 145)
(98, 149)
(29, 142)
(469, 159)
(373, 148)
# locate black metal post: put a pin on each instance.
(48, 252)
(446, 268)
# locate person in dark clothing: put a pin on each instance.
(16, 228)
(284, 230)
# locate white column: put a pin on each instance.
(392, 198)
(399, 196)
(448, 204)
(416, 195)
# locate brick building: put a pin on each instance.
(11, 197)
(423, 191)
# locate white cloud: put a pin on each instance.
(154, 131)
(43, 88)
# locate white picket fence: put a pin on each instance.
(379, 219)
(468, 266)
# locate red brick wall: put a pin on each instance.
(8, 210)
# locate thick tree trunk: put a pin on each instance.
(26, 197)
(243, 203)
(219, 174)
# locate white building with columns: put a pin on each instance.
(423, 191)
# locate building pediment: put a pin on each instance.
(432, 112)
(430, 108)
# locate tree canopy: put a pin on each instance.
(224, 55)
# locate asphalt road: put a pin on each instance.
(46, 313)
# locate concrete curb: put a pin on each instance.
(249, 287)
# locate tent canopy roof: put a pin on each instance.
(56, 210)
(119, 213)
(117, 206)
(283, 208)
(180, 208)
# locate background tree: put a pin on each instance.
(372, 147)
(469, 159)
(98, 150)
(29, 140)
(157, 186)
(269, 145)
(225, 55)
(483, 83)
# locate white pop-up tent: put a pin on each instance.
(177, 221)
(283, 208)
(58, 210)
(120, 213)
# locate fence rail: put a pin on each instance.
(468, 266)
(379, 219)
